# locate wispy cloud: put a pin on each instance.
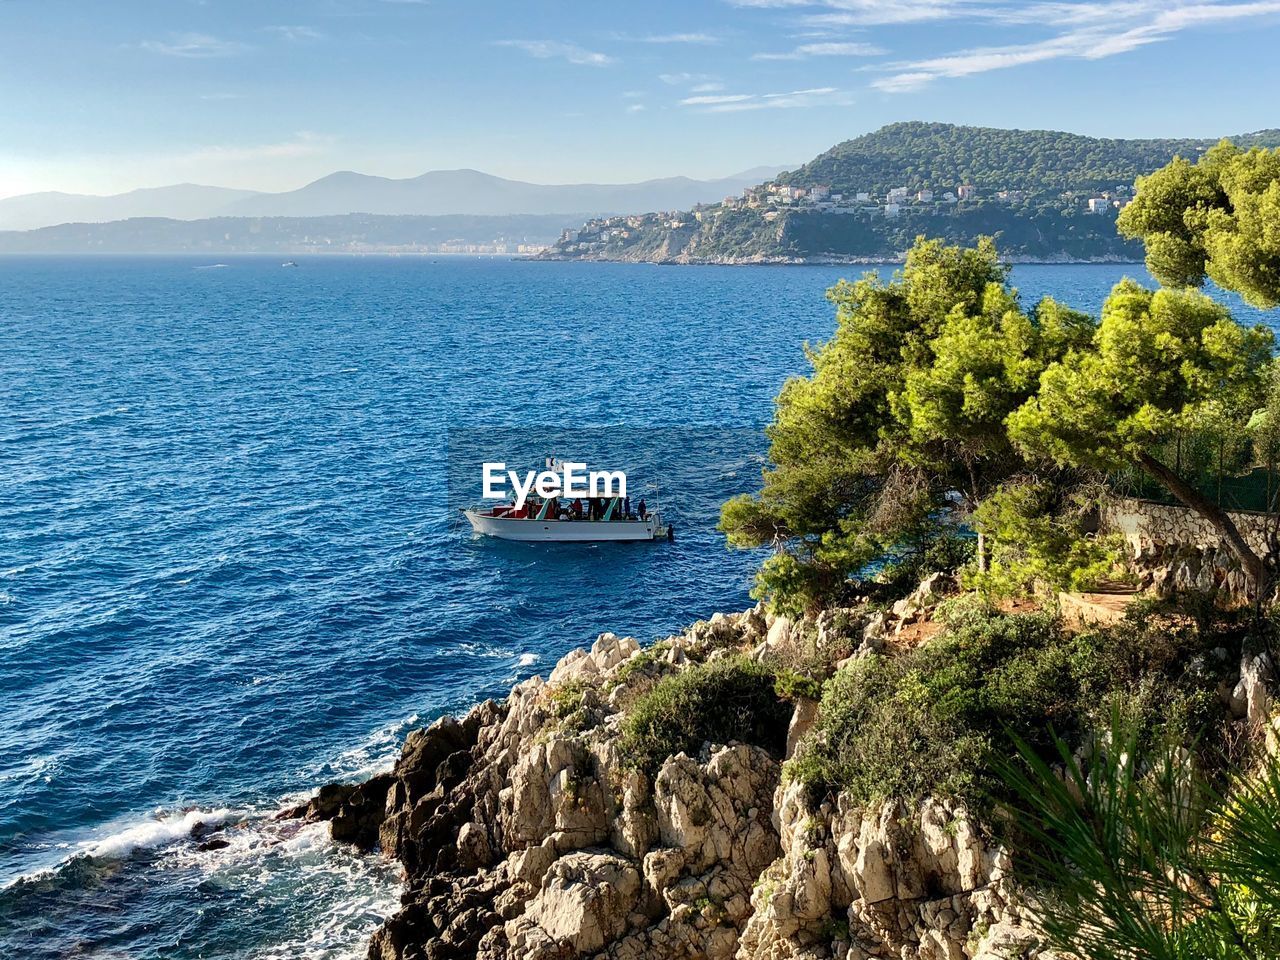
(194, 46)
(827, 49)
(687, 79)
(703, 39)
(791, 100)
(636, 108)
(1128, 26)
(865, 13)
(716, 100)
(557, 50)
(302, 144)
(296, 34)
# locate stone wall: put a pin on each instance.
(1174, 550)
(1147, 524)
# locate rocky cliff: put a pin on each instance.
(525, 832)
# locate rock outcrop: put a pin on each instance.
(525, 833)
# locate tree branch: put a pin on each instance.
(1217, 517)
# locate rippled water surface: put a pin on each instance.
(230, 570)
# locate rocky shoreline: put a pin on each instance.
(525, 832)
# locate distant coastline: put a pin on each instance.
(818, 261)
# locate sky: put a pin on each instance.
(103, 97)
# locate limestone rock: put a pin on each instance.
(585, 902)
(1251, 698)
(802, 721)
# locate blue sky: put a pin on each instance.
(269, 94)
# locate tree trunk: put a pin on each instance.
(1217, 517)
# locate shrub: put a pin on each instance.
(727, 699)
(1037, 536)
(794, 685)
(571, 703)
(931, 720)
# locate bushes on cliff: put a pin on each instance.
(929, 721)
(728, 699)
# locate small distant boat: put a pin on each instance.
(289, 263)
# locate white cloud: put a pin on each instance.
(706, 87)
(636, 108)
(556, 50)
(794, 99)
(864, 13)
(826, 49)
(1115, 29)
(194, 46)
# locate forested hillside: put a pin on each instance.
(941, 156)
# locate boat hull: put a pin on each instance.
(564, 531)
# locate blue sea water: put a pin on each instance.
(231, 569)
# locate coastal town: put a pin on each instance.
(773, 200)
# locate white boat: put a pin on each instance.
(507, 523)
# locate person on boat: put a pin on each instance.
(577, 508)
(626, 507)
(641, 508)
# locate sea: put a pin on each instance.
(232, 566)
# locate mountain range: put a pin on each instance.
(438, 193)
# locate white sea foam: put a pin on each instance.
(344, 894)
(527, 660)
(156, 831)
(376, 753)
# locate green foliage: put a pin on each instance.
(1159, 361)
(727, 699)
(793, 685)
(1137, 855)
(570, 704)
(1036, 529)
(922, 723)
(905, 405)
(1218, 217)
(931, 720)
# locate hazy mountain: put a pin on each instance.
(441, 192)
(184, 201)
(444, 192)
